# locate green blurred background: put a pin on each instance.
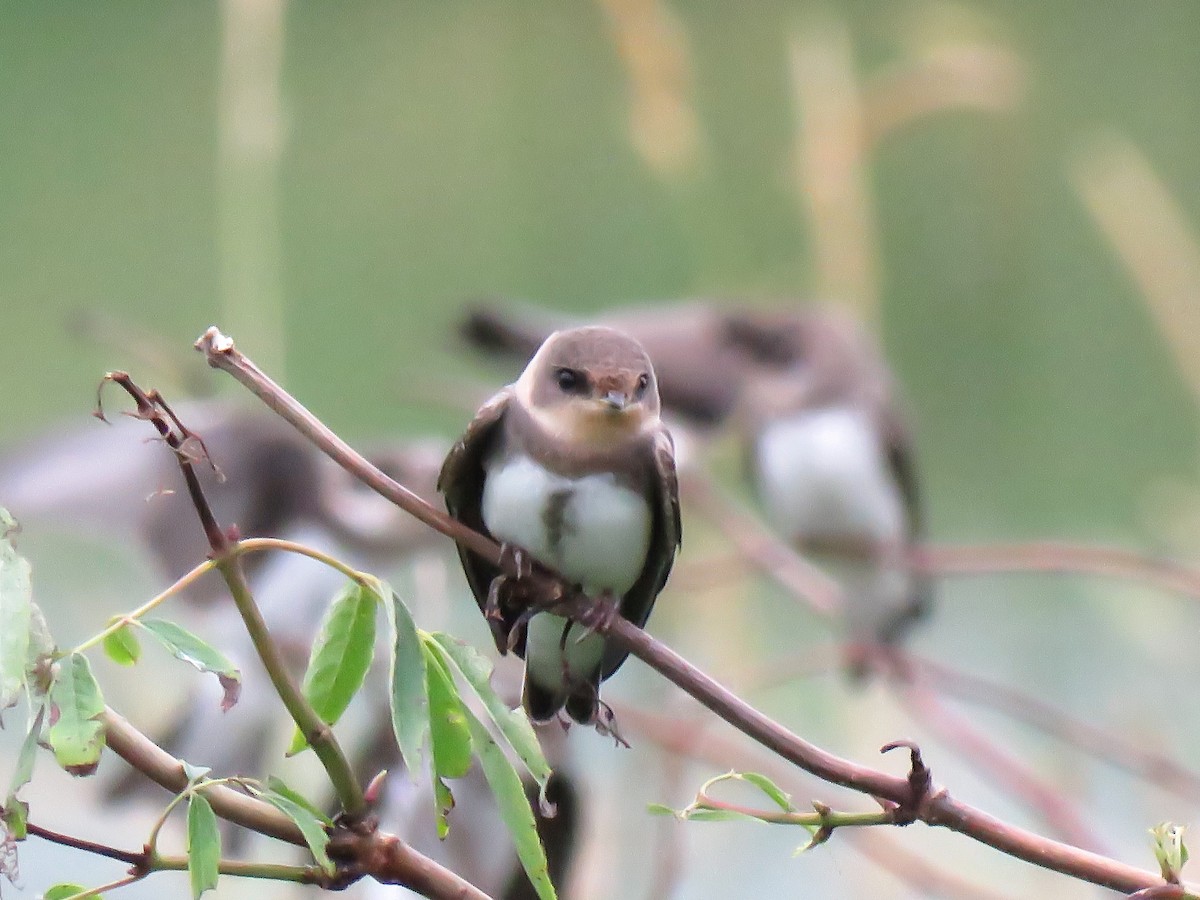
(331, 183)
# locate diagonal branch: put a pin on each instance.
(936, 808)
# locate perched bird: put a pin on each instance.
(827, 448)
(832, 462)
(572, 465)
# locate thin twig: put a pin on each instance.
(152, 408)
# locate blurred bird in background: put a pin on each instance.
(825, 442)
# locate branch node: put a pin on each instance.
(920, 784)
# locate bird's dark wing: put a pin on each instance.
(461, 482)
(898, 447)
(666, 534)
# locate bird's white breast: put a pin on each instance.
(823, 474)
(598, 536)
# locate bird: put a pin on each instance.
(825, 438)
(572, 465)
(831, 458)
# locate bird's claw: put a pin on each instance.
(599, 614)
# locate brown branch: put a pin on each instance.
(377, 854)
(1001, 768)
(694, 739)
(128, 857)
(1057, 557)
(937, 808)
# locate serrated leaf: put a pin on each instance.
(64, 890)
(309, 824)
(514, 807)
(76, 737)
(476, 670)
(341, 656)
(16, 598)
(122, 647)
(449, 734)
(277, 786)
(184, 645)
(768, 787)
(203, 845)
(409, 700)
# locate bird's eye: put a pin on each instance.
(643, 383)
(571, 381)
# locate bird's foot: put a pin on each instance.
(514, 561)
(605, 723)
(508, 594)
(599, 614)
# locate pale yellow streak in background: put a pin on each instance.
(830, 173)
(653, 48)
(943, 78)
(251, 136)
(1150, 234)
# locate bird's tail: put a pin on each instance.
(581, 699)
(504, 330)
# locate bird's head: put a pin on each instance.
(591, 384)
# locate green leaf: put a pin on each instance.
(476, 670)
(341, 655)
(16, 598)
(659, 809)
(514, 807)
(39, 660)
(768, 787)
(310, 824)
(449, 735)
(15, 821)
(64, 890)
(406, 672)
(1170, 850)
(443, 802)
(122, 646)
(76, 737)
(203, 845)
(28, 753)
(16, 810)
(184, 645)
(277, 786)
(447, 718)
